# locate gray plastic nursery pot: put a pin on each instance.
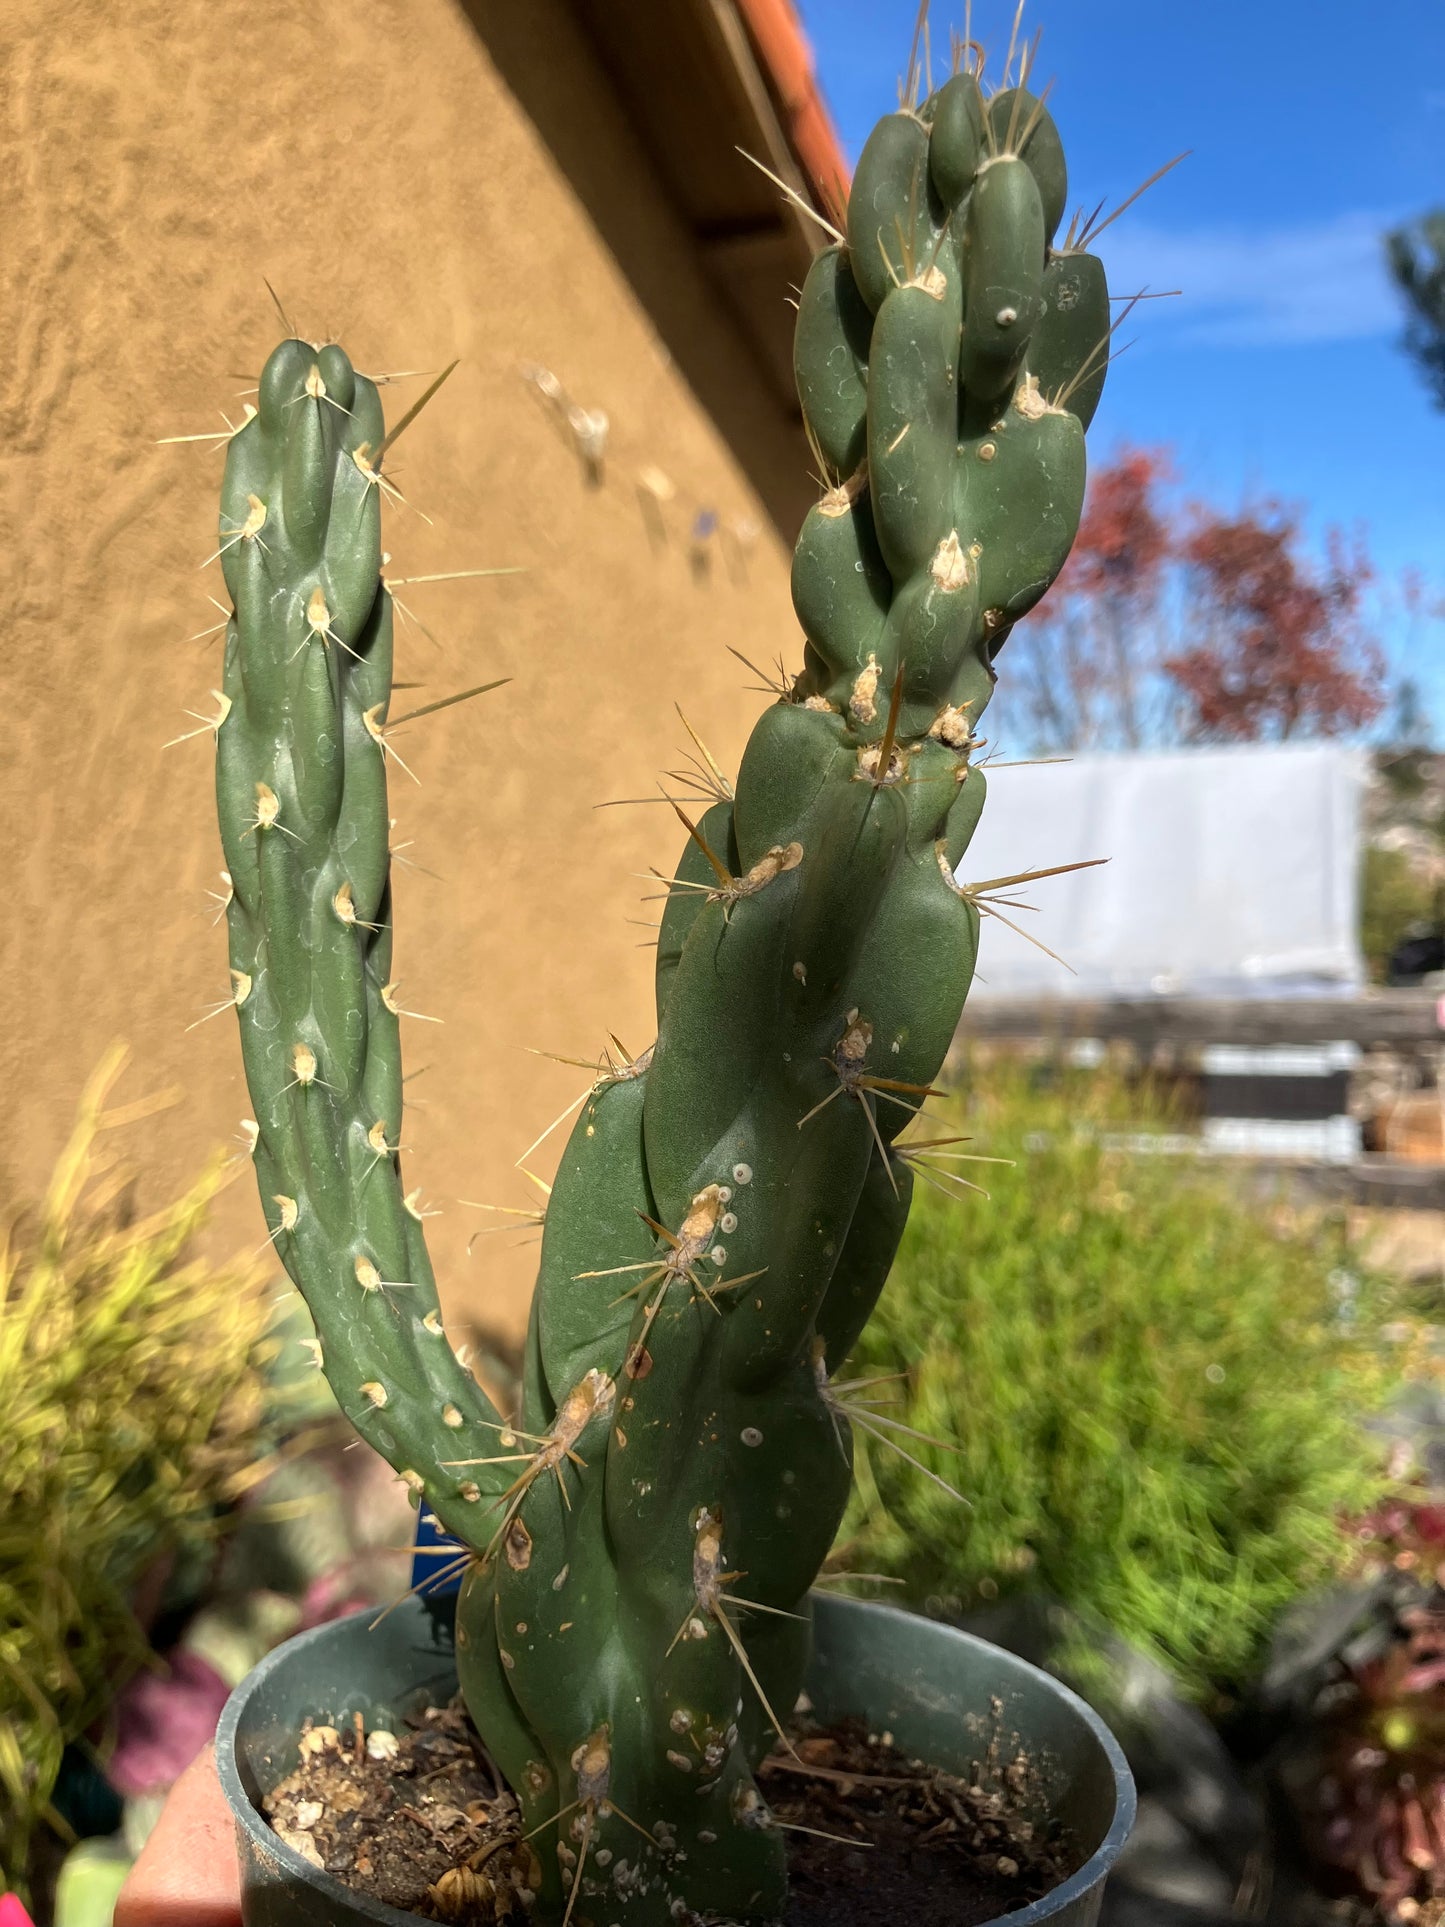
(931, 1686)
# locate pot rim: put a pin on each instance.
(1099, 1863)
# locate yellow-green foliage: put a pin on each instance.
(1145, 1368)
(128, 1388)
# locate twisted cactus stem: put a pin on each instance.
(727, 1207)
(726, 1211)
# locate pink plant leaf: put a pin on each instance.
(1418, 1849)
(1423, 1678)
(163, 1719)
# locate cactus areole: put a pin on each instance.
(646, 1529)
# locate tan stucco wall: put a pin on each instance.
(367, 157)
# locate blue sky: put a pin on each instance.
(1314, 126)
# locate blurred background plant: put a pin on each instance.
(1398, 898)
(1416, 254)
(136, 1378)
(1180, 623)
(1364, 1771)
(1155, 1374)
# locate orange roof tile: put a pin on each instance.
(786, 56)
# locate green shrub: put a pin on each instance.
(131, 1383)
(1154, 1396)
(1393, 896)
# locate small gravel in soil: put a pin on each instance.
(421, 1819)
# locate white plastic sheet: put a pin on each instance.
(1231, 872)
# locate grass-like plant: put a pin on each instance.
(130, 1383)
(1155, 1399)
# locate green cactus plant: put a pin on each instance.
(644, 1533)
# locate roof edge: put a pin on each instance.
(785, 57)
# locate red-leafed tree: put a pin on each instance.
(1125, 538)
(1281, 647)
(1172, 626)
(1087, 666)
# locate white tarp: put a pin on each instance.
(1232, 872)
